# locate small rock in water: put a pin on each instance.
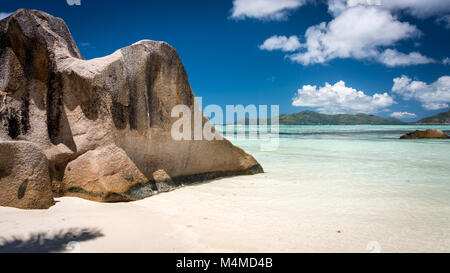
(430, 133)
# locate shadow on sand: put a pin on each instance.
(47, 242)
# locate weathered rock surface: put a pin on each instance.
(430, 133)
(24, 177)
(104, 124)
(102, 174)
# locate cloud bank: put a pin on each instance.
(264, 9)
(282, 43)
(391, 57)
(280, 9)
(360, 29)
(403, 115)
(417, 8)
(338, 99)
(434, 96)
(342, 38)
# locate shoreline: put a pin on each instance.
(207, 218)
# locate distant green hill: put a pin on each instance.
(442, 118)
(314, 118)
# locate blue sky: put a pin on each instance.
(284, 52)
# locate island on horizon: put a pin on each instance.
(309, 117)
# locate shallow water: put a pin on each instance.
(367, 176)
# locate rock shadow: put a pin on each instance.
(48, 242)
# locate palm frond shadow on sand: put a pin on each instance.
(48, 242)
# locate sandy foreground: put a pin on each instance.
(239, 214)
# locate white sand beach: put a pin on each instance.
(227, 215)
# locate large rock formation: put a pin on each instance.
(24, 177)
(430, 133)
(104, 124)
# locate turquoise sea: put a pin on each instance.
(366, 178)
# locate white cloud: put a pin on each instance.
(446, 61)
(433, 96)
(392, 57)
(4, 15)
(343, 38)
(417, 8)
(335, 99)
(281, 43)
(403, 115)
(336, 7)
(264, 9)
